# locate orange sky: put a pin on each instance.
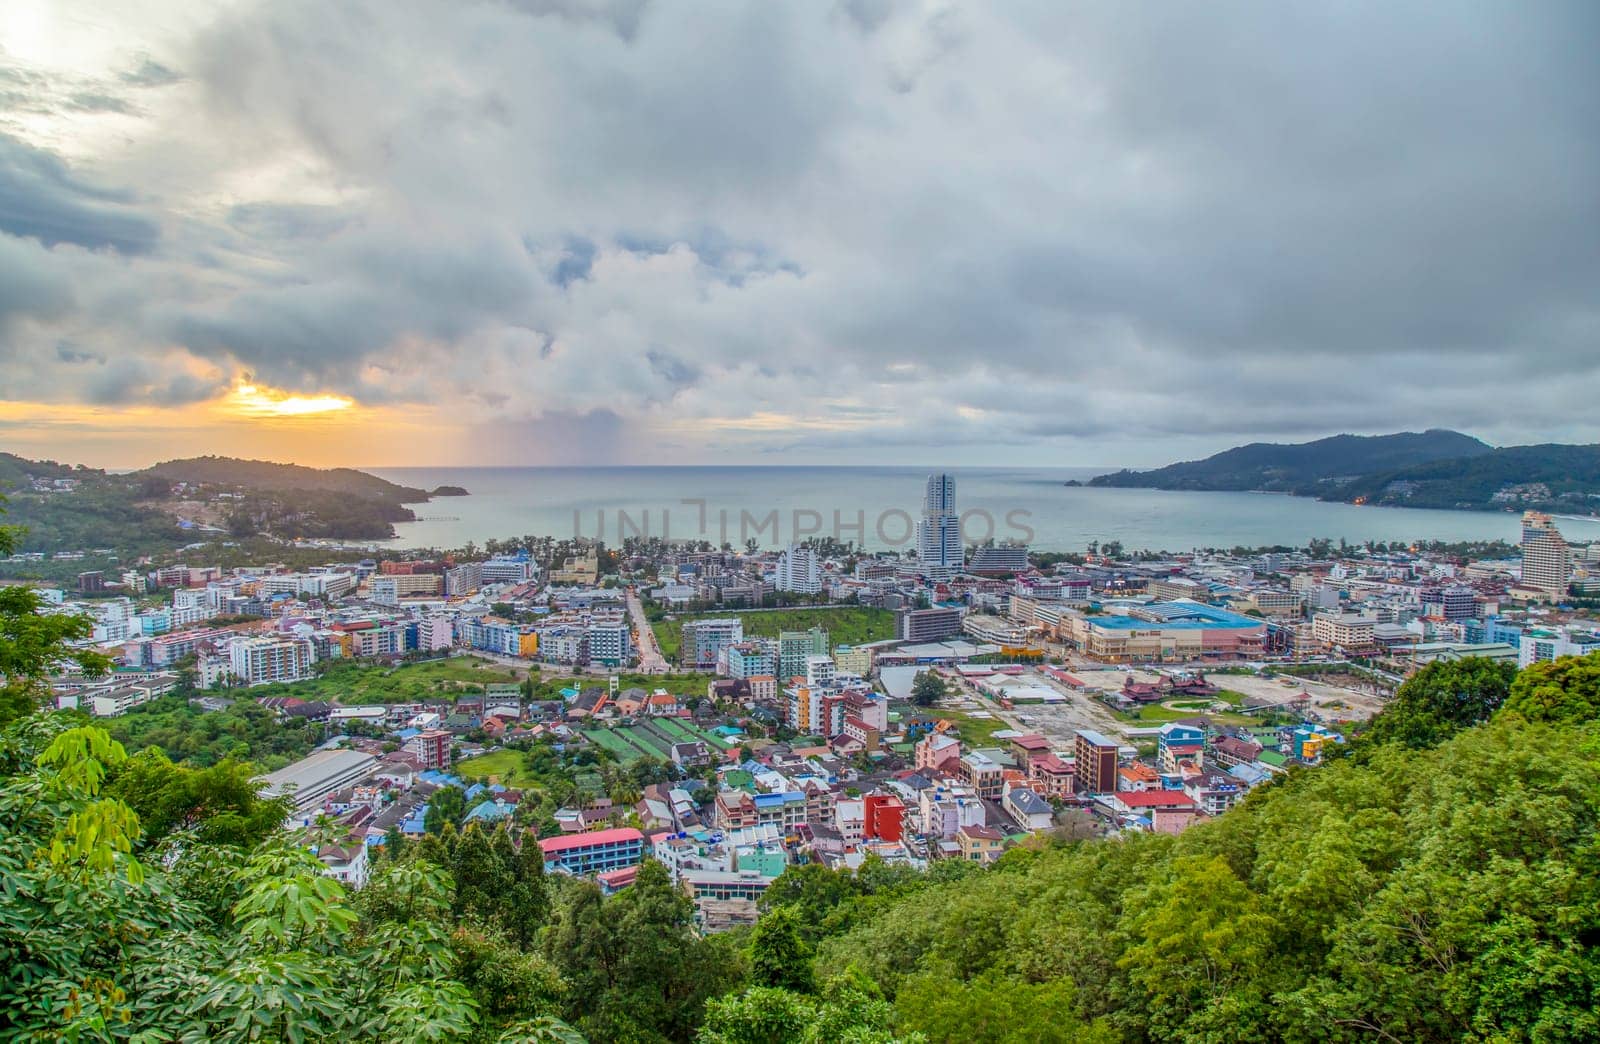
(254, 422)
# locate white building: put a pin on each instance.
(820, 672)
(799, 571)
(508, 569)
(939, 551)
(258, 661)
(1546, 559)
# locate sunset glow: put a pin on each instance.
(255, 401)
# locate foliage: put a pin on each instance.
(32, 643)
(190, 735)
(1565, 690)
(637, 968)
(1440, 700)
(770, 1015)
(221, 804)
(928, 689)
(1301, 467)
(1416, 893)
(355, 682)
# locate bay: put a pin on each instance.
(876, 506)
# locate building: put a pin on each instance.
(1096, 763)
(1172, 588)
(1166, 631)
(260, 661)
(1030, 811)
(496, 635)
(1343, 631)
(820, 672)
(390, 589)
(799, 571)
(311, 779)
(610, 645)
(704, 640)
(1458, 602)
(996, 561)
(431, 747)
(508, 569)
(996, 630)
(939, 551)
(927, 625)
(883, 817)
(594, 852)
(1539, 645)
(463, 579)
(980, 844)
(1277, 604)
(946, 809)
(748, 660)
(1546, 559)
(794, 647)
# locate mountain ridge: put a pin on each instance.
(1301, 467)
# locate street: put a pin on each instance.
(650, 659)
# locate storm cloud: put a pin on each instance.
(886, 230)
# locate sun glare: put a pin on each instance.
(256, 401)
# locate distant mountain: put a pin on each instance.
(74, 508)
(1310, 468)
(264, 474)
(1551, 476)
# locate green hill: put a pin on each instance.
(148, 511)
(1306, 467)
(1569, 475)
(263, 474)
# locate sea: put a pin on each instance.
(876, 507)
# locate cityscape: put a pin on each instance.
(878, 522)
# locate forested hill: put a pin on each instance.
(1555, 476)
(1438, 882)
(263, 474)
(1306, 467)
(67, 508)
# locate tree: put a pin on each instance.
(927, 689)
(32, 643)
(1440, 700)
(778, 955)
(447, 807)
(1565, 690)
(221, 803)
(846, 1011)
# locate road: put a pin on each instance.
(650, 659)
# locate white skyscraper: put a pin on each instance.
(939, 531)
(1546, 559)
(799, 571)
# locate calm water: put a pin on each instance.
(881, 501)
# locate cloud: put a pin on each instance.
(1043, 233)
(41, 198)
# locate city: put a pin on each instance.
(729, 522)
(982, 699)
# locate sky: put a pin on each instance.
(491, 232)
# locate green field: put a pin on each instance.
(351, 682)
(1155, 714)
(501, 766)
(845, 624)
(974, 732)
(678, 684)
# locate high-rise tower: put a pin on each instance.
(939, 531)
(1546, 559)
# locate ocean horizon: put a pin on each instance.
(877, 505)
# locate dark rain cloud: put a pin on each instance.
(1037, 225)
(42, 199)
